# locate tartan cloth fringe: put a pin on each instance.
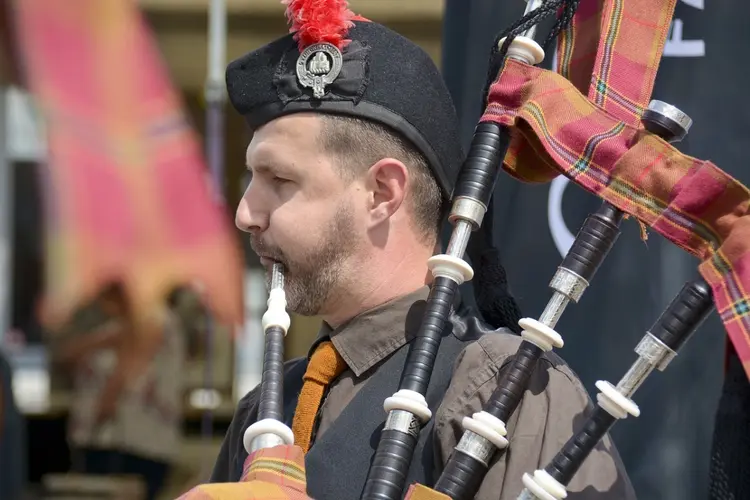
(276, 473)
(691, 202)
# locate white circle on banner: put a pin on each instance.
(561, 235)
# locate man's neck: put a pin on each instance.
(378, 283)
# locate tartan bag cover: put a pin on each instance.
(126, 191)
(276, 473)
(422, 492)
(597, 142)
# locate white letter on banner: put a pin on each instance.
(676, 46)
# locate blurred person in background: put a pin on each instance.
(126, 405)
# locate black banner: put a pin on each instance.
(667, 449)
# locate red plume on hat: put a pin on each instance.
(318, 21)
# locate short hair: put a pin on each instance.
(359, 143)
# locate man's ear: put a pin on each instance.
(387, 182)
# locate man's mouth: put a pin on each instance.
(267, 258)
(268, 261)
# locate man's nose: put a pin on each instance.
(248, 219)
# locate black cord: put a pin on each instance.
(563, 21)
(566, 9)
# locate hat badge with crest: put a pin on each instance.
(320, 28)
(319, 65)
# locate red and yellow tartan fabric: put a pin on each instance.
(126, 191)
(556, 128)
(422, 492)
(276, 473)
(631, 43)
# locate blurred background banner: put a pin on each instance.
(126, 190)
(667, 449)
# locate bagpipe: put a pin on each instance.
(594, 121)
(615, 142)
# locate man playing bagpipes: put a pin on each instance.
(354, 158)
(320, 210)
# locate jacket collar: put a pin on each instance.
(373, 335)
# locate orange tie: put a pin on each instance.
(326, 364)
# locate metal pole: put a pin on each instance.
(6, 208)
(215, 93)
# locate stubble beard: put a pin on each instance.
(312, 279)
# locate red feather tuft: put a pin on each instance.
(317, 21)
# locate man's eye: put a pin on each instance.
(280, 180)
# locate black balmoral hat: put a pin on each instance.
(338, 63)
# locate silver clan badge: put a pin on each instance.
(319, 65)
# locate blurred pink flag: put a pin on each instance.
(127, 193)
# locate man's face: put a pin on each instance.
(298, 211)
